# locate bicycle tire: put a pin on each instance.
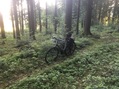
(51, 55)
(70, 50)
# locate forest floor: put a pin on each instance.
(94, 65)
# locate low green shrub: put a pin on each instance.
(2, 51)
(96, 70)
(3, 66)
(83, 42)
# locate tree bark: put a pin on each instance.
(55, 17)
(77, 26)
(115, 9)
(22, 18)
(46, 20)
(68, 16)
(31, 18)
(39, 9)
(99, 16)
(109, 16)
(2, 26)
(16, 20)
(13, 24)
(88, 18)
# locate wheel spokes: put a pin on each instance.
(51, 55)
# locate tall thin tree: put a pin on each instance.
(13, 24)
(39, 10)
(46, 20)
(115, 10)
(2, 26)
(55, 17)
(68, 16)
(22, 18)
(88, 16)
(16, 19)
(77, 26)
(31, 18)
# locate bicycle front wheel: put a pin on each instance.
(51, 55)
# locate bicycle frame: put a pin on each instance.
(58, 43)
(60, 47)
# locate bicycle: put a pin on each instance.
(61, 46)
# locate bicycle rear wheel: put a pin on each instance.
(51, 55)
(70, 49)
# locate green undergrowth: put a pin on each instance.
(6, 47)
(98, 69)
(28, 59)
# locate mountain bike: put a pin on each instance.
(63, 47)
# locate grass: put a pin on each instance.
(87, 71)
(92, 65)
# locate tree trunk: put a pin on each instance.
(77, 26)
(88, 18)
(2, 26)
(68, 16)
(115, 9)
(46, 23)
(39, 9)
(19, 14)
(22, 18)
(16, 19)
(99, 16)
(82, 23)
(13, 27)
(109, 16)
(55, 17)
(31, 18)
(101, 12)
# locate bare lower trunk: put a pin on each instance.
(88, 18)
(77, 26)
(2, 27)
(39, 9)
(31, 18)
(46, 23)
(55, 17)
(68, 16)
(16, 20)
(22, 19)
(13, 27)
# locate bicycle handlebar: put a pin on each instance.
(57, 40)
